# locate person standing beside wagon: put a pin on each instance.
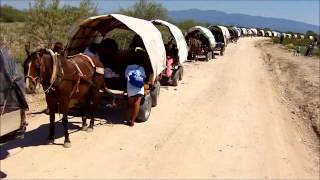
(135, 75)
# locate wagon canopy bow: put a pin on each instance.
(178, 36)
(94, 29)
(206, 32)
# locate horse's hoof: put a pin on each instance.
(67, 145)
(84, 128)
(89, 130)
(50, 141)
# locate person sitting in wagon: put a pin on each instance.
(107, 51)
(172, 56)
(92, 50)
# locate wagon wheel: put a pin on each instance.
(155, 92)
(175, 78)
(145, 108)
(208, 56)
(181, 73)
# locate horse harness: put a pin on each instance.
(98, 70)
(58, 75)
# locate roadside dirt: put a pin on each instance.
(299, 80)
(225, 120)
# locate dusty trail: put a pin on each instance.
(226, 120)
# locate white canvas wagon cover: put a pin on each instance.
(94, 29)
(269, 33)
(225, 32)
(244, 30)
(262, 32)
(206, 32)
(254, 30)
(238, 30)
(178, 36)
(274, 34)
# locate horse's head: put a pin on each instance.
(32, 69)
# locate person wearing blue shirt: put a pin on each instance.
(135, 75)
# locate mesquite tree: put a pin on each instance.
(48, 22)
(146, 9)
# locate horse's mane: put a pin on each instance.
(34, 53)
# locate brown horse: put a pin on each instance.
(194, 47)
(80, 78)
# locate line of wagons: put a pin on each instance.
(166, 45)
(252, 32)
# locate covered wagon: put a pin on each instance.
(261, 33)
(244, 31)
(12, 100)
(234, 34)
(132, 35)
(226, 33)
(254, 31)
(176, 52)
(274, 34)
(250, 33)
(201, 42)
(220, 36)
(268, 34)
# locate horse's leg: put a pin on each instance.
(84, 122)
(67, 143)
(90, 128)
(91, 124)
(51, 128)
(90, 115)
(92, 106)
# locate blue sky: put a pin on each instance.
(300, 10)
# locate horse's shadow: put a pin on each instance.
(38, 136)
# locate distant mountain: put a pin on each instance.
(219, 17)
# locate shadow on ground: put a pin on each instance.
(105, 114)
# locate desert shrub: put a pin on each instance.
(146, 9)
(48, 22)
(293, 43)
(12, 36)
(45, 23)
(11, 14)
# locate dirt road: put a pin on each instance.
(225, 120)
